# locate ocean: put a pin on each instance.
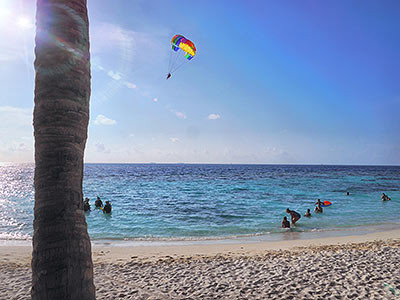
(163, 202)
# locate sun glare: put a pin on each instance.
(24, 23)
(4, 13)
(10, 14)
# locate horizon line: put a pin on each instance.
(213, 163)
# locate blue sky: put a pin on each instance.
(272, 82)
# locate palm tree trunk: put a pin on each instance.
(62, 265)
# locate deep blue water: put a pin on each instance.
(153, 201)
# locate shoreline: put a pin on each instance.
(19, 252)
(288, 234)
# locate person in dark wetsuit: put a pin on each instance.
(98, 203)
(86, 204)
(285, 223)
(169, 75)
(107, 207)
(295, 216)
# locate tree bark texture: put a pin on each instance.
(62, 265)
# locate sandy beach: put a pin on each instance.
(351, 267)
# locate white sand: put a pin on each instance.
(352, 267)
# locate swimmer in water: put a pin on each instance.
(285, 223)
(295, 216)
(98, 203)
(107, 208)
(86, 204)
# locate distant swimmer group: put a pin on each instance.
(295, 216)
(98, 204)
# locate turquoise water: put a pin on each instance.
(157, 202)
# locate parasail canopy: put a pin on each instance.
(187, 46)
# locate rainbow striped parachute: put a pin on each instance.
(180, 44)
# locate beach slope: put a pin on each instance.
(352, 267)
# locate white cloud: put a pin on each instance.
(130, 85)
(101, 148)
(178, 114)
(174, 139)
(214, 116)
(95, 64)
(19, 147)
(107, 36)
(12, 109)
(103, 120)
(129, 46)
(272, 150)
(16, 134)
(114, 75)
(130, 50)
(13, 117)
